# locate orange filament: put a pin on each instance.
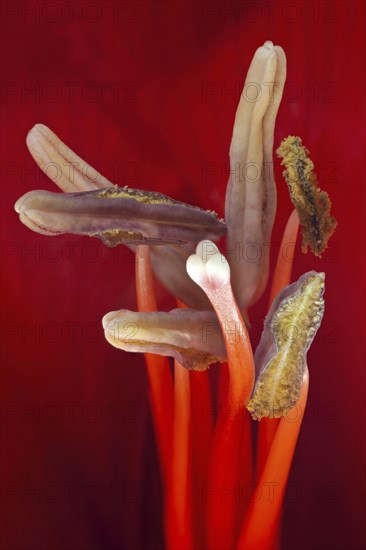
(179, 532)
(261, 522)
(285, 259)
(202, 423)
(281, 278)
(266, 431)
(158, 370)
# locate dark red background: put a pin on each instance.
(80, 471)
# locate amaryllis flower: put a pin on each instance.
(147, 93)
(176, 240)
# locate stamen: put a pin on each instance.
(290, 327)
(180, 528)
(202, 425)
(65, 168)
(281, 278)
(285, 258)
(261, 521)
(250, 203)
(158, 370)
(312, 204)
(118, 215)
(192, 337)
(179, 532)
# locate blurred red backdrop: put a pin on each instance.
(146, 92)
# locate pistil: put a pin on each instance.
(210, 270)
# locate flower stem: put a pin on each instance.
(261, 522)
(158, 370)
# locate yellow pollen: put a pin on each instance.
(293, 328)
(312, 204)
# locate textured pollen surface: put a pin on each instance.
(312, 204)
(114, 237)
(189, 358)
(149, 197)
(294, 326)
